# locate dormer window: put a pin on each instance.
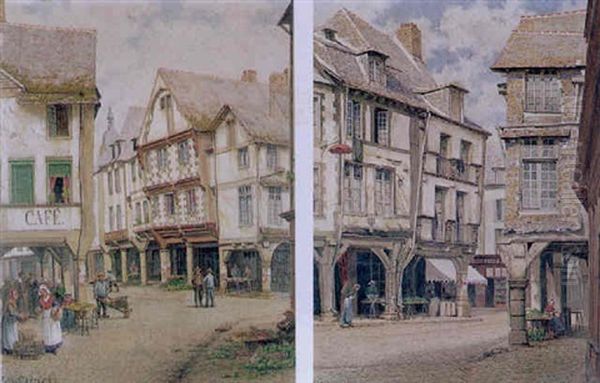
(165, 101)
(329, 34)
(376, 67)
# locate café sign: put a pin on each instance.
(44, 217)
(39, 218)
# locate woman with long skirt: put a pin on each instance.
(10, 320)
(51, 314)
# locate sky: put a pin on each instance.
(135, 38)
(461, 39)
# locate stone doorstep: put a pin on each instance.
(361, 322)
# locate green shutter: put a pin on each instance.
(52, 121)
(59, 169)
(21, 183)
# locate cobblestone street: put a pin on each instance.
(451, 351)
(146, 347)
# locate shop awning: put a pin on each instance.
(443, 270)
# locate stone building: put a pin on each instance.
(397, 168)
(545, 243)
(48, 103)
(588, 180)
(122, 204)
(215, 164)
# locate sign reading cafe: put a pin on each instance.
(43, 217)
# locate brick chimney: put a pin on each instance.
(249, 75)
(2, 12)
(410, 37)
(278, 86)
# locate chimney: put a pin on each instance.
(278, 87)
(2, 12)
(410, 36)
(249, 75)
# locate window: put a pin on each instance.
(21, 182)
(245, 205)
(117, 181)
(380, 126)
(190, 201)
(384, 201)
(110, 182)
(274, 206)
(111, 219)
(118, 217)
(498, 234)
(317, 192)
(444, 145)
(134, 144)
(58, 120)
(318, 116)
(154, 204)
(162, 158)
(376, 72)
(539, 185)
(59, 182)
(542, 93)
(243, 158)
(170, 203)
(353, 187)
(499, 210)
(165, 101)
(272, 158)
(138, 213)
(465, 157)
(439, 217)
(353, 115)
(133, 170)
(146, 212)
(183, 153)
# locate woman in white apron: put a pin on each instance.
(51, 314)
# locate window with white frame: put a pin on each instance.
(376, 69)
(169, 199)
(57, 116)
(274, 206)
(317, 191)
(117, 181)
(183, 152)
(190, 201)
(245, 205)
(161, 158)
(138, 213)
(243, 158)
(111, 219)
(109, 176)
(539, 186)
(381, 128)
(119, 218)
(499, 209)
(318, 116)
(272, 157)
(155, 207)
(542, 92)
(353, 119)
(353, 188)
(384, 201)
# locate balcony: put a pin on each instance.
(533, 152)
(457, 170)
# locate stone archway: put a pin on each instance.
(281, 269)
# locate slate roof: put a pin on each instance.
(200, 98)
(48, 59)
(545, 41)
(407, 76)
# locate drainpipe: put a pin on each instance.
(76, 291)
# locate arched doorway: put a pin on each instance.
(359, 266)
(280, 269)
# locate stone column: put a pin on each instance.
(67, 274)
(124, 271)
(516, 308)
(223, 269)
(143, 267)
(189, 262)
(557, 265)
(391, 311)
(265, 262)
(326, 288)
(165, 265)
(463, 307)
(535, 294)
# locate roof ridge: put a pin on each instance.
(349, 15)
(208, 76)
(50, 27)
(548, 33)
(554, 14)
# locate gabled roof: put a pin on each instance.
(545, 41)
(50, 60)
(201, 98)
(132, 126)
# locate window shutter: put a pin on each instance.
(22, 183)
(52, 120)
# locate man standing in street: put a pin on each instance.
(197, 285)
(209, 285)
(101, 290)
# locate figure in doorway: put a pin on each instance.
(349, 295)
(197, 281)
(101, 291)
(556, 326)
(209, 286)
(51, 315)
(372, 295)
